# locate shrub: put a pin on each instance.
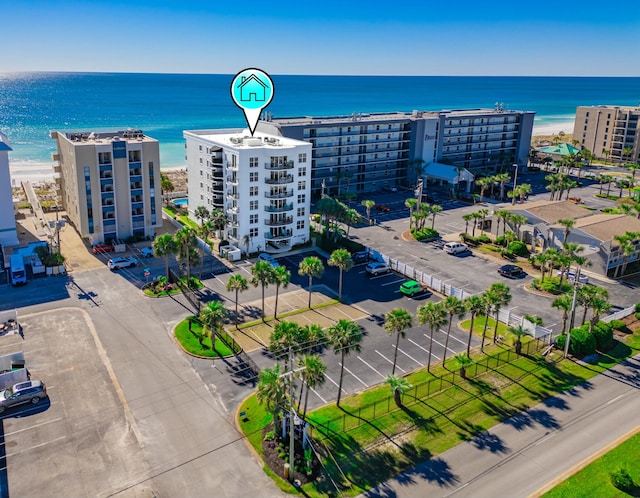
(621, 479)
(519, 248)
(551, 285)
(603, 334)
(501, 240)
(618, 325)
(484, 239)
(582, 342)
(637, 315)
(534, 319)
(638, 307)
(425, 233)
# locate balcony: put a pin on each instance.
(279, 209)
(280, 180)
(106, 189)
(274, 222)
(279, 194)
(281, 166)
(232, 179)
(278, 235)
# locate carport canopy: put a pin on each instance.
(448, 173)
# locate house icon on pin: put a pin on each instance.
(252, 89)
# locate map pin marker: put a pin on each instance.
(252, 90)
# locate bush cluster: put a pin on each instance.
(519, 248)
(585, 343)
(474, 241)
(425, 233)
(618, 325)
(551, 285)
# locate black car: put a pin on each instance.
(511, 271)
(360, 257)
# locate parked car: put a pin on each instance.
(571, 277)
(377, 268)
(511, 271)
(455, 248)
(25, 392)
(390, 188)
(269, 259)
(412, 288)
(360, 257)
(121, 262)
(382, 207)
(147, 252)
(100, 248)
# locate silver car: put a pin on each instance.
(25, 392)
(121, 262)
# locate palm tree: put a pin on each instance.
(280, 277)
(219, 220)
(563, 303)
(490, 299)
(474, 305)
(272, 391)
(453, 306)
(186, 241)
(342, 259)
(213, 316)
(398, 386)
(598, 307)
(312, 267)
(202, 213)
(435, 209)
(501, 215)
(483, 183)
(435, 316)
(475, 216)
(411, 204)
(518, 220)
(345, 336)
(519, 332)
(502, 178)
(587, 294)
(464, 362)
(164, 245)
(312, 374)
(368, 204)
(262, 274)
(467, 218)
(483, 215)
(166, 186)
(238, 284)
(503, 297)
(397, 321)
(286, 337)
(568, 224)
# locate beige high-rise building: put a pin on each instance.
(109, 183)
(609, 132)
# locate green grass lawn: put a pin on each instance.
(190, 342)
(595, 480)
(440, 410)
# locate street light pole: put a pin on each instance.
(515, 182)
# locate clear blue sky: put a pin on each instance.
(407, 37)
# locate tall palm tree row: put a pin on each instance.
(397, 321)
(312, 267)
(434, 316)
(345, 337)
(454, 307)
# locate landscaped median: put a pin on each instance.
(195, 339)
(371, 437)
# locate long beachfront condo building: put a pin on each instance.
(8, 232)
(368, 152)
(261, 182)
(609, 132)
(109, 183)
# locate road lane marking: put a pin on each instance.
(371, 367)
(354, 375)
(402, 370)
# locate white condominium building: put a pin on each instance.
(109, 183)
(262, 183)
(8, 233)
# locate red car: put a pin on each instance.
(383, 208)
(98, 248)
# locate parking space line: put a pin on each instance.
(317, 394)
(439, 343)
(371, 367)
(334, 383)
(402, 370)
(423, 349)
(408, 356)
(354, 375)
(394, 282)
(30, 427)
(34, 447)
(453, 337)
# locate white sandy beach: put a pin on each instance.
(553, 128)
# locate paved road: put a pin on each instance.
(519, 456)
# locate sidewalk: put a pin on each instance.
(519, 457)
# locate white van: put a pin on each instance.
(455, 247)
(18, 272)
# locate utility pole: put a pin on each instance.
(573, 311)
(418, 192)
(292, 414)
(515, 182)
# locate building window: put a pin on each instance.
(302, 158)
(302, 198)
(253, 232)
(302, 171)
(253, 191)
(253, 205)
(300, 224)
(253, 219)
(152, 192)
(302, 185)
(253, 162)
(253, 176)
(300, 211)
(200, 147)
(201, 172)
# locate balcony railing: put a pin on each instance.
(284, 165)
(279, 195)
(278, 209)
(232, 179)
(281, 180)
(280, 221)
(285, 234)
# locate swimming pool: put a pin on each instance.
(184, 201)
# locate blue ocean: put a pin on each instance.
(163, 105)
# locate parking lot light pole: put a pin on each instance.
(515, 184)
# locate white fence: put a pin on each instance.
(619, 315)
(446, 289)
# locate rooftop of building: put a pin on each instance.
(358, 117)
(242, 139)
(605, 227)
(552, 211)
(611, 106)
(103, 137)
